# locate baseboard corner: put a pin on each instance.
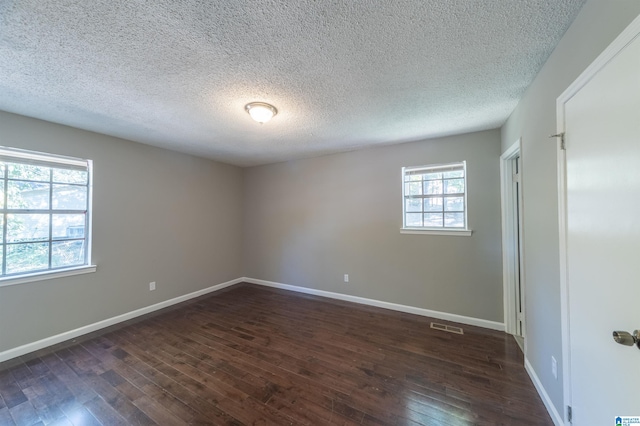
(80, 331)
(478, 322)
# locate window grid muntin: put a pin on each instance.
(5, 211)
(409, 176)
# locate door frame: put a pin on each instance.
(625, 38)
(510, 253)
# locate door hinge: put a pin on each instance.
(516, 177)
(561, 136)
(569, 414)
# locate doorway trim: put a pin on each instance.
(510, 255)
(627, 36)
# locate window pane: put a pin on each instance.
(442, 193)
(69, 197)
(432, 176)
(413, 205)
(454, 220)
(70, 176)
(27, 227)
(414, 219)
(43, 212)
(28, 195)
(68, 226)
(433, 204)
(454, 204)
(27, 257)
(29, 172)
(454, 186)
(433, 187)
(413, 188)
(67, 253)
(456, 174)
(433, 219)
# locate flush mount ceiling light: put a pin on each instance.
(260, 111)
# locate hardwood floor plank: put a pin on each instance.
(156, 412)
(49, 413)
(300, 381)
(10, 391)
(254, 355)
(273, 383)
(105, 414)
(67, 389)
(326, 370)
(24, 414)
(5, 417)
(80, 416)
(177, 399)
(228, 398)
(61, 422)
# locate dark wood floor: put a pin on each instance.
(253, 355)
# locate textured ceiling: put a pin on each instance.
(343, 74)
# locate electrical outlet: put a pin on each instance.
(152, 286)
(554, 368)
(346, 278)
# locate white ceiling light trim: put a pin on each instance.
(260, 111)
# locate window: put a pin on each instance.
(45, 207)
(434, 198)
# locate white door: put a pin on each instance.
(602, 230)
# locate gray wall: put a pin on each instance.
(534, 120)
(308, 222)
(158, 216)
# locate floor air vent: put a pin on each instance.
(447, 328)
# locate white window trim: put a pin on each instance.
(458, 232)
(447, 231)
(45, 158)
(47, 275)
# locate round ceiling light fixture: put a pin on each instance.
(260, 111)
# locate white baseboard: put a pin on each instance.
(380, 304)
(71, 334)
(555, 416)
(67, 335)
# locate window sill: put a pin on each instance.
(47, 275)
(454, 232)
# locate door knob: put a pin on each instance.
(627, 339)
